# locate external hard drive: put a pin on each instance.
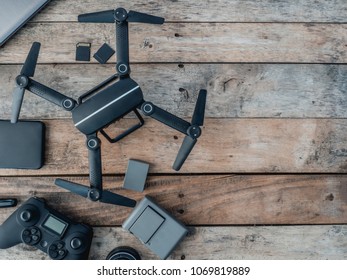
(155, 227)
(22, 144)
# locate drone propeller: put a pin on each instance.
(194, 131)
(29, 66)
(144, 18)
(199, 111)
(119, 15)
(73, 187)
(112, 198)
(28, 70)
(95, 194)
(98, 17)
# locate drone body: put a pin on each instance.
(106, 103)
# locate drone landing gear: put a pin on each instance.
(127, 132)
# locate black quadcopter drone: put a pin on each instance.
(106, 103)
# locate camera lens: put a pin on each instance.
(123, 253)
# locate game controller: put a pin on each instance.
(36, 224)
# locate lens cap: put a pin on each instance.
(123, 253)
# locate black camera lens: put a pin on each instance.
(123, 253)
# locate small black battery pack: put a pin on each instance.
(22, 144)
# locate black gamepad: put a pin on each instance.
(36, 224)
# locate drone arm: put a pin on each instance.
(149, 109)
(122, 47)
(51, 95)
(95, 165)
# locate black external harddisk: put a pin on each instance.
(22, 144)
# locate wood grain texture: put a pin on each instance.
(226, 146)
(267, 179)
(207, 243)
(234, 90)
(212, 10)
(180, 42)
(201, 200)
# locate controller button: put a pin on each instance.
(57, 250)
(43, 243)
(35, 237)
(25, 216)
(33, 231)
(62, 252)
(53, 254)
(76, 243)
(26, 232)
(27, 239)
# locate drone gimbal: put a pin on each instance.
(106, 103)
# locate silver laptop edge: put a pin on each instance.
(15, 13)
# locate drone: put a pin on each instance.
(106, 103)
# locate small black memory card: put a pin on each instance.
(83, 51)
(104, 53)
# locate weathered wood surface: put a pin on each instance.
(234, 90)
(226, 146)
(251, 243)
(210, 11)
(276, 76)
(202, 200)
(180, 42)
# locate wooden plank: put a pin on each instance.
(202, 200)
(251, 243)
(210, 197)
(180, 42)
(213, 10)
(226, 145)
(234, 90)
(314, 242)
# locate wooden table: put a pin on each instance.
(267, 179)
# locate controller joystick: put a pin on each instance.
(36, 224)
(26, 215)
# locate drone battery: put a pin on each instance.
(22, 144)
(136, 175)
